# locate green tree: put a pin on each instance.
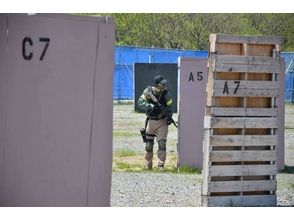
(191, 31)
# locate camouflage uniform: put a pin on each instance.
(157, 125)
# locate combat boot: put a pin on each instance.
(161, 167)
(148, 167)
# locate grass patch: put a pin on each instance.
(125, 134)
(189, 170)
(125, 153)
(126, 160)
(122, 165)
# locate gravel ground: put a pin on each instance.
(175, 190)
(155, 190)
(165, 189)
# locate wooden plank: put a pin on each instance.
(242, 170)
(245, 49)
(243, 84)
(224, 38)
(247, 155)
(205, 170)
(254, 64)
(261, 92)
(264, 112)
(237, 122)
(212, 41)
(209, 98)
(242, 186)
(250, 201)
(246, 68)
(245, 60)
(244, 140)
(242, 88)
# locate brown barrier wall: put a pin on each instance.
(56, 110)
(193, 73)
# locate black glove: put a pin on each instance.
(168, 121)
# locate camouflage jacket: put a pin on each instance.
(146, 103)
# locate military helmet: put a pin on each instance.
(157, 79)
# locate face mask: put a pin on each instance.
(156, 89)
(160, 88)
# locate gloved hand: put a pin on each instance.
(150, 106)
(168, 121)
(156, 107)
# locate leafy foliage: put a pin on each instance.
(191, 31)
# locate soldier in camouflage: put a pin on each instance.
(157, 122)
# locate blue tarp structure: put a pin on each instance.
(289, 77)
(126, 56)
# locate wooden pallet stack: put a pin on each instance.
(239, 166)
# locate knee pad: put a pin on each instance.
(149, 145)
(162, 145)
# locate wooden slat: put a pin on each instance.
(237, 122)
(244, 140)
(222, 67)
(243, 84)
(242, 88)
(254, 200)
(245, 60)
(205, 169)
(223, 38)
(242, 186)
(247, 155)
(242, 170)
(248, 64)
(220, 111)
(261, 92)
